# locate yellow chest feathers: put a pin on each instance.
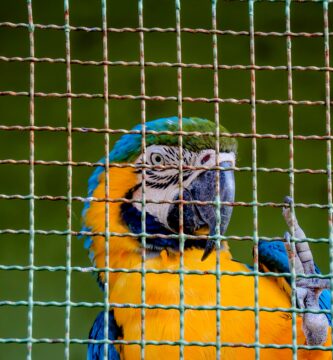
(163, 324)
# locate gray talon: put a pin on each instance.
(308, 290)
(298, 263)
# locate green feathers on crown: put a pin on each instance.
(128, 147)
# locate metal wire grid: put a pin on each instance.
(107, 130)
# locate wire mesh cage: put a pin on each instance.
(76, 76)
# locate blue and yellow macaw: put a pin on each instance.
(162, 253)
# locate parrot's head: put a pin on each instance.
(158, 186)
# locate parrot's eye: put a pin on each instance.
(157, 159)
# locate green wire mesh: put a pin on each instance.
(228, 37)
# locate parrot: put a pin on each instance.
(199, 255)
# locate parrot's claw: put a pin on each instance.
(308, 290)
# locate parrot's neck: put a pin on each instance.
(163, 239)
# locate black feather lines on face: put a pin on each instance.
(167, 180)
(161, 178)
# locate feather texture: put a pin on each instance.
(96, 351)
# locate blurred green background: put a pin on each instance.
(49, 322)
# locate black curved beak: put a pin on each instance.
(196, 216)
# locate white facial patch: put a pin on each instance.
(162, 184)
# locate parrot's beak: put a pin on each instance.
(195, 216)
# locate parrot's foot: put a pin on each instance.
(308, 290)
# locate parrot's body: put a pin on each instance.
(162, 253)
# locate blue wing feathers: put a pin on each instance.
(325, 299)
(273, 255)
(96, 351)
